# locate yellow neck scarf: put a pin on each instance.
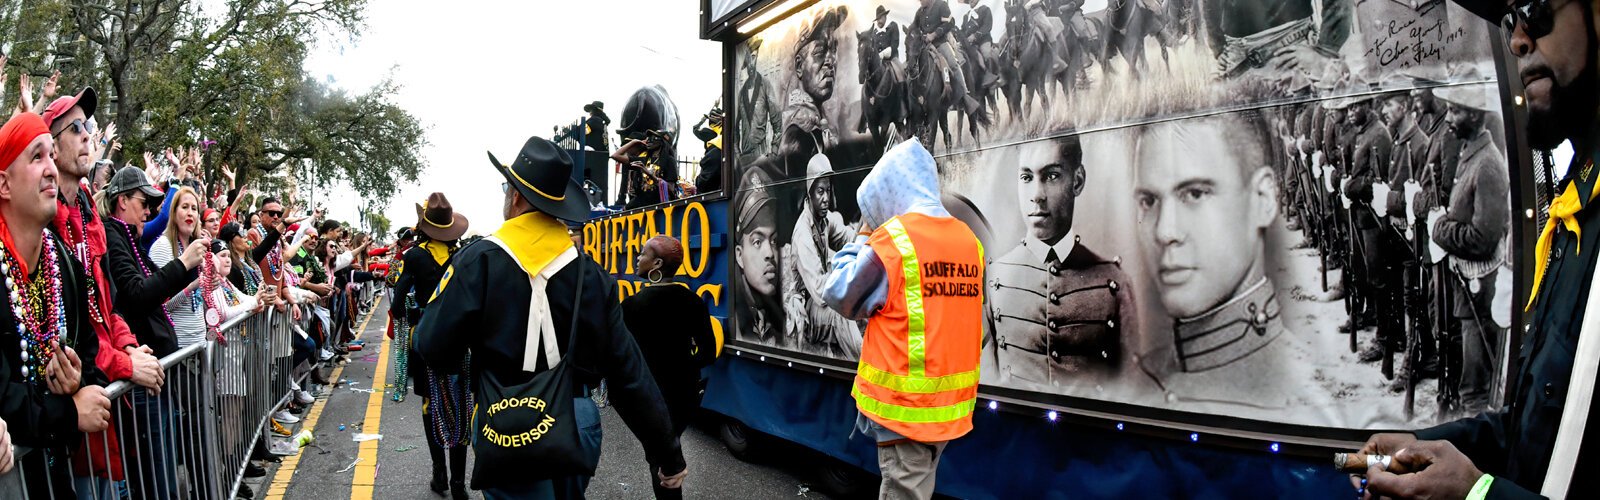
(438, 250)
(537, 239)
(716, 141)
(1563, 211)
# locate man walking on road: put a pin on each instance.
(918, 280)
(522, 304)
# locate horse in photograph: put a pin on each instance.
(884, 101)
(1029, 61)
(929, 94)
(1130, 23)
(1081, 42)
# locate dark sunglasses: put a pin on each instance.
(1536, 16)
(273, 213)
(79, 126)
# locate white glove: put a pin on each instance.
(1380, 199)
(1433, 246)
(1412, 190)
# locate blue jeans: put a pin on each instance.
(87, 486)
(589, 434)
(151, 460)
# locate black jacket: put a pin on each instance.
(1515, 442)
(419, 273)
(141, 299)
(672, 326)
(35, 417)
(483, 308)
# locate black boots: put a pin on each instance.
(441, 481)
(458, 473)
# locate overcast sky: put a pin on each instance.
(484, 76)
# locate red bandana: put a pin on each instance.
(15, 137)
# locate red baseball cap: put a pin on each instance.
(85, 99)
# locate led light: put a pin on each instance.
(1274, 447)
(772, 12)
(1194, 437)
(994, 405)
(791, 364)
(763, 358)
(1119, 426)
(819, 370)
(1052, 415)
(738, 353)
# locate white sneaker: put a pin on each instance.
(327, 354)
(294, 386)
(285, 418)
(282, 447)
(303, 397)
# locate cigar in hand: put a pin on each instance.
(1359, 463)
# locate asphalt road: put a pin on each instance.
(329, 467)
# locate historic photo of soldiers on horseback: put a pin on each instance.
(1271, 210)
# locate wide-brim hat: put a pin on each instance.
(881, 12)
(1470, 96)
(542, 174)
(594, 106)
(439, 221)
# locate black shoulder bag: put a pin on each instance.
(530, 430)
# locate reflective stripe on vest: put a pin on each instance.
(913, 414)
(916, 341)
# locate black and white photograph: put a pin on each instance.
(1275, 211)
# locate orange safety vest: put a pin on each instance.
(918, 374)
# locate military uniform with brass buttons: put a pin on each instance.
(1055, 320)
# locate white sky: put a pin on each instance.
(485, 76)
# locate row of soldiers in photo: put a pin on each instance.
(1406, 193)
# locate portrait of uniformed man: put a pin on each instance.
(1471, 229)
(755, 257)
(806, 129)
(818, 234)
(1202, 234)
(759, 115)
(1058, 310)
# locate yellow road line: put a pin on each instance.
(366, 473)
(280, 480)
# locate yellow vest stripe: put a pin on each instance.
(916, 318)
(917, 385)
(910, 414)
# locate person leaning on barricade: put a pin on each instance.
(945, 315)
(79, 226)
(47, 393)
(535, 335)
(1506, 452)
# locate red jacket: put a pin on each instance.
(113, 332)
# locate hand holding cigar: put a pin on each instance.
(1360, 463)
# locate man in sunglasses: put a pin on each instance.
(121, 356)
(1507, 452)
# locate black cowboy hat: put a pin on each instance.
(882, 11)
(1491, 10)
(439, 221)
(594, 106)
(542, 174)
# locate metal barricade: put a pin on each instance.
(193, 440)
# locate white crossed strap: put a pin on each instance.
(541, 337)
